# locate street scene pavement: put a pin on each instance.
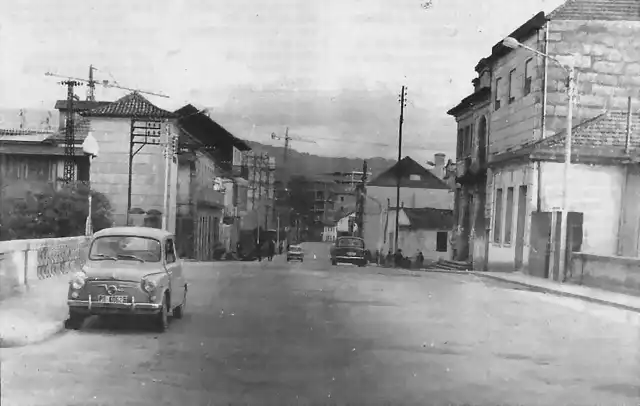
(275, 333)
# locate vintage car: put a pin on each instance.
(295, 252)
(348, 249)
(129, 271)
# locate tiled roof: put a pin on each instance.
(205, 129)
(131, 105)
(81, 126)
(81, 105)
(428, 218)
(608, 130)
(612, 10)
(24, 135)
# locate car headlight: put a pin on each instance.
(78, 280)
(149, 285)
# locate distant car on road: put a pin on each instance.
(129, 271)
(350, 250)
(295, 253)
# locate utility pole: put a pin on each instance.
(361, 196)
(286, 144)
(69, 139)
(403, 95)
(91, 87)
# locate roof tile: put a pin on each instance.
(131, 105)
(612, 10)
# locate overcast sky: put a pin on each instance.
(331, 70)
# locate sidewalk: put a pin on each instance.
(600, 296)
(36, 314)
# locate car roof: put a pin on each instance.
(148, 232)
(349, 237)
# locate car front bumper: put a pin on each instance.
(349, 259)
(93, 307)
(295, 256)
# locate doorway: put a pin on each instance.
(520, 226)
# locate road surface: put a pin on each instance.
(277, 333)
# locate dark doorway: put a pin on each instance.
(540, 244)
(520, 225)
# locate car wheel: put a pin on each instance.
(74, 322)
(334, 263)
(178, 312)
(162, 318)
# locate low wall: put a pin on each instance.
(25, 262)
(618, 274)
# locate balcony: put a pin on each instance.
(241, 171)
(470, 170)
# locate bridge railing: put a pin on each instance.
(25, 262)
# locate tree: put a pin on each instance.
(53, 213)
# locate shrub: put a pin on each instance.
(53, 213)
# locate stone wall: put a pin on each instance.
(614, 273)
(607, 66)
(25, 262)
(521, 120)
(109, 171)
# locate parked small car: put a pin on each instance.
(350, 250)
(295, 253)
(129, 271)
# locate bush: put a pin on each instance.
(53, 213)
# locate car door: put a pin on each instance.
(171, 264)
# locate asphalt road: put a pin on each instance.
(276, 333)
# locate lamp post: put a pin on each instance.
(571, 85)
(90, 148)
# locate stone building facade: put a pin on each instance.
(527, 116)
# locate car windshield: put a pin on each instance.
(295, 249)
(128, 248)
(350, 242)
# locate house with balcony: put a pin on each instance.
(472, 115)
(212, 184)
(527, 123)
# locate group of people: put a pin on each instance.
(399, 260)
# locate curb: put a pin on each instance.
(561, 293)
(45, 334)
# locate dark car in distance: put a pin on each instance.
(295, 253)
(349, 250)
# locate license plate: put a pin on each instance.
(351, 254)
(112, 299)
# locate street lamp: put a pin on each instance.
(571, 79)
(90, 147)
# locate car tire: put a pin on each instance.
(162, 318)
(334, 263)
(178, 312)
(75, 321)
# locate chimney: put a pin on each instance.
(438, 160)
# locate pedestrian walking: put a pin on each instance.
(271, 247)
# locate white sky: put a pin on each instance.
(328, 69)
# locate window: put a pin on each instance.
(467, 137)
(128, 248)
(169, 253)
(508, 221)
(528, 74)
(496, 102)
(460, 142)
(497, 217)
(415, 177)
(442, 241)
(512, 86)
